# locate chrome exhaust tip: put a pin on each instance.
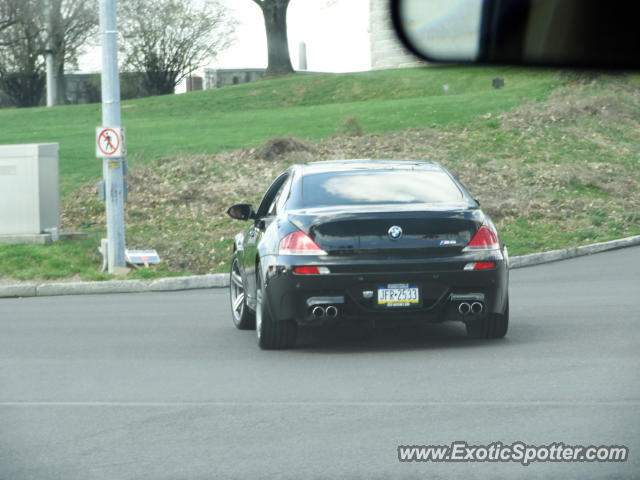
(317, 312)
(332, 311)
(476, 308)
(464, 308)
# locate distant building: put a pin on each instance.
(86, 88)
(194, 83)
(224, 77)
(386, 49)
(82, 87)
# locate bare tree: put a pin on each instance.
(28, 33)
(70, 24)
(275, 23)
(9, 13)
(21, 46)
(169, 39)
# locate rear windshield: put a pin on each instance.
(368, 187)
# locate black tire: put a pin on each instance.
(272, 334)
(243, 317)
(494, 325)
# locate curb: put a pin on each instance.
(566, 253)
(221, 280)
(217, 280)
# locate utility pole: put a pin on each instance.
(113, 154)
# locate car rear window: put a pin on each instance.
(368, 187)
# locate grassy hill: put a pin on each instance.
(309, 107)
(553, 156)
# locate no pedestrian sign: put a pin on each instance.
(110, 142)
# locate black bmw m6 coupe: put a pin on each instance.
(368, 241)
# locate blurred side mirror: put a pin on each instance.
(241, 211)
(566, 33)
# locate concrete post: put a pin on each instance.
(113, 169)
(302, 56)
(52, 84)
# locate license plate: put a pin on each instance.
(398, 295)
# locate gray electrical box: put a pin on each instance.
(29, 189)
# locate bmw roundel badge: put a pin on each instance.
(395, 232)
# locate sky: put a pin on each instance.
(336, 33)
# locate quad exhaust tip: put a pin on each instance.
(464, 308)
(318, 311)
(331, 311)
(476, 308)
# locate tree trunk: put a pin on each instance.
(275, 22)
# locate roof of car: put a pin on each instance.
(365, 164)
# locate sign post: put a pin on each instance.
(110, 142)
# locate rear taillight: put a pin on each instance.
(484, 239)
(480, 266)
(310, 270)
(299, 243)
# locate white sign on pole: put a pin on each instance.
(110, 142)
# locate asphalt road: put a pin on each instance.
(162, 386)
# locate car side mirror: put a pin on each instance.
(578, 33)
(241, 211)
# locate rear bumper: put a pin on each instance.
(352, 288)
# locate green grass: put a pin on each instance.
(65, 258)
(472, 139)
(310, 107)
(525, 236)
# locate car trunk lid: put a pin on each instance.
(404, 231)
